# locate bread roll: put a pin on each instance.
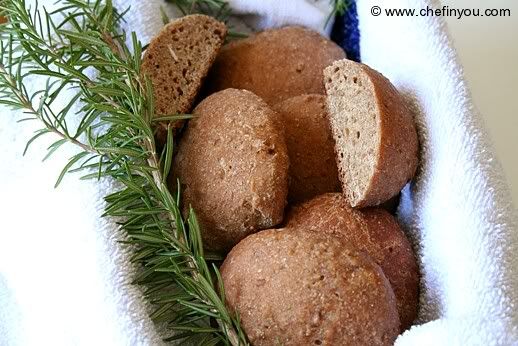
(373, 231)
(310, 144)
(177, 60)
(233, 164)
(275, 64)
(294, 287)
(374, 131)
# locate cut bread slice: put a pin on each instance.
(374, 132)
(177, 61)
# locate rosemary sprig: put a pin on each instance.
(81, 51)
(339, 8)
(218, 9)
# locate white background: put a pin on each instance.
(488, 49)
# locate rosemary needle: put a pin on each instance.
(339, 8)
(219, 9)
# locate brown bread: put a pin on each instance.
(310, 144)
(295, 287)
(177, 61)
(233, 165)
(275, 64)
(392, 251)
(374, 131)
(374, 231)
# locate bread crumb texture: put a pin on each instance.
(178, 59)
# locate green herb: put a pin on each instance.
(339, 8)
(164, 16)
(218, 9)
(80, 48)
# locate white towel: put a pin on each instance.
(64, 280)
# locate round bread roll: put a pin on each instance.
(293, 287)
(374, 231)
(313, 169)
(275, 64)
(232, 163)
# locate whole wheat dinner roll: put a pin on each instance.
(374, 131)
(374, 231)
(178, 59)
(232, 163)
(275, 64)
(294, 287)
(310, 144)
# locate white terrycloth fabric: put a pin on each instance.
(64, 280)
(274, 13)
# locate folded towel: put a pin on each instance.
(65, 280)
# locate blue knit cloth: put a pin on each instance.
(345, 32)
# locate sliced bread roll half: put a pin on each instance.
(177, 61)
(374, 131)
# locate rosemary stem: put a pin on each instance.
(158, 179)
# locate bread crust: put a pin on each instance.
(294, 287)
(177, 61)
(395, 256)
(374, 231)
(233, 165)
(396, 155)
(275, 64)
(310, 144)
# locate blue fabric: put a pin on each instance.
(345, 32)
